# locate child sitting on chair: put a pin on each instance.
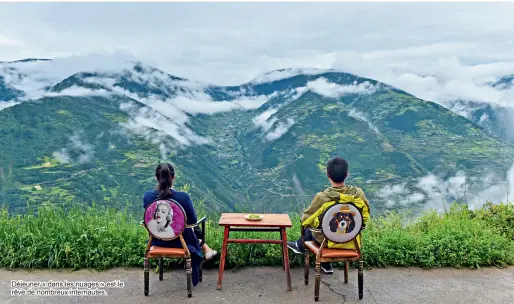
(337, 172)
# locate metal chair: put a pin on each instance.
(340, 224)
(165, 219)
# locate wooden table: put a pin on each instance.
(269, 222)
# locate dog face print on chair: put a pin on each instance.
(341, 222)
(165, 219)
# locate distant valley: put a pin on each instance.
(95, 136)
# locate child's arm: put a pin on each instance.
(366, 211)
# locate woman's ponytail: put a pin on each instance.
(164, 174)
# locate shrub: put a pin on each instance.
(500, 216)
(100, 238)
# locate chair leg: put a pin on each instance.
(361, 279)
(161, 270)
(307, 266)
(346, 267)
(146, 276)
(189, 278)
(317, 280)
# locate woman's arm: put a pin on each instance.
(146, 199)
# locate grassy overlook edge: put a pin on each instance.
(79, 236)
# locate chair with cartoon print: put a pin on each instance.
(340, 224)
(165, 219)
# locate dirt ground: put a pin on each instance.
(268, 285)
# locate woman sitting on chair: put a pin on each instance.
(165, 175)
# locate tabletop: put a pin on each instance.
(268, 220)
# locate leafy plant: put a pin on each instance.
(78, 236)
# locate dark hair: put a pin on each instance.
(337, 169)
(164, 174)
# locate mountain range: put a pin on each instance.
(95, 135)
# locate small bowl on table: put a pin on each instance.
(253, 217)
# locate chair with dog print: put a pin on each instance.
(165, 219)
(340, 224)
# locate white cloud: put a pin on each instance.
(164, 151)
(167, 113)
(78, 92)
(262, 120)
(510, 181)
(107, 81)
(81, 148)
(145, 120)
(265, 120)
(186, 96)
(429, 60)
(440, 191)
(170, 116)
(286, 73)
(412, 198)
(85, 150)
(462, 109)
(149, 77)
(483, 118)
(7, 104)
(440, 59)
(280, 129)
(439, 79)
(203, 104)
(8, 41)
(392, 190)
(165, 108)
(437, 193)
(496, 189)
(62, 156)
(285, 35)
(435, 49)
(363, 117)
(34, 77)
(323, 87)
(298, 92)
(399, 195)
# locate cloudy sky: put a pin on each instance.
(433, 50)
(436, 51)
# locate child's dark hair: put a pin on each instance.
(337, 169)
(164, 173)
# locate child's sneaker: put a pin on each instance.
(294, 247)
(327, 268)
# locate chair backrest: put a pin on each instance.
(341, 222)
(165, 219)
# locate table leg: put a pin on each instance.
(286, 257)
(223, 256)
(282, 238)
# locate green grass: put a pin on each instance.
(456, 238)
(92, 237)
